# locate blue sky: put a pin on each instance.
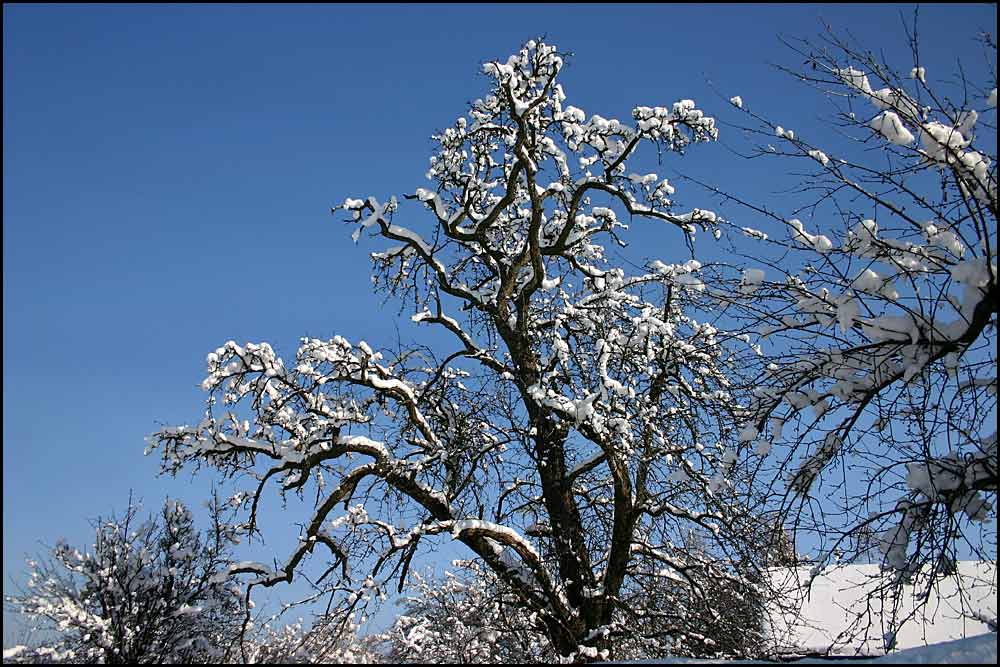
(168, 173)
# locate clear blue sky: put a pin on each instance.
(168, 173)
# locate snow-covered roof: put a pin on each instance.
(844, 612)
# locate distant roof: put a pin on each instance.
(848, 609)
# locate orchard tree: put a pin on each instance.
(582, 419)
(873, 295)
(146, 592)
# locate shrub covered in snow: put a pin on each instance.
(146, 592)
(330, 639)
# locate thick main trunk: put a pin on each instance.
(564, 516)
(575, 570)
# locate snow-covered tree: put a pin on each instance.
(872, 292)
(154, 591)
(329, 640)
(464, 617)
(582, 419)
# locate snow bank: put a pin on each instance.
(836, 598)
(980, 650)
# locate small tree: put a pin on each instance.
(329, 640)
(466, 618)
(146, 592)
(583, 417)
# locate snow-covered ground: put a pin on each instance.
(981, 649)
(843, 612)
(972, 650)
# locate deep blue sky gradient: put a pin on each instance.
(168, 173)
